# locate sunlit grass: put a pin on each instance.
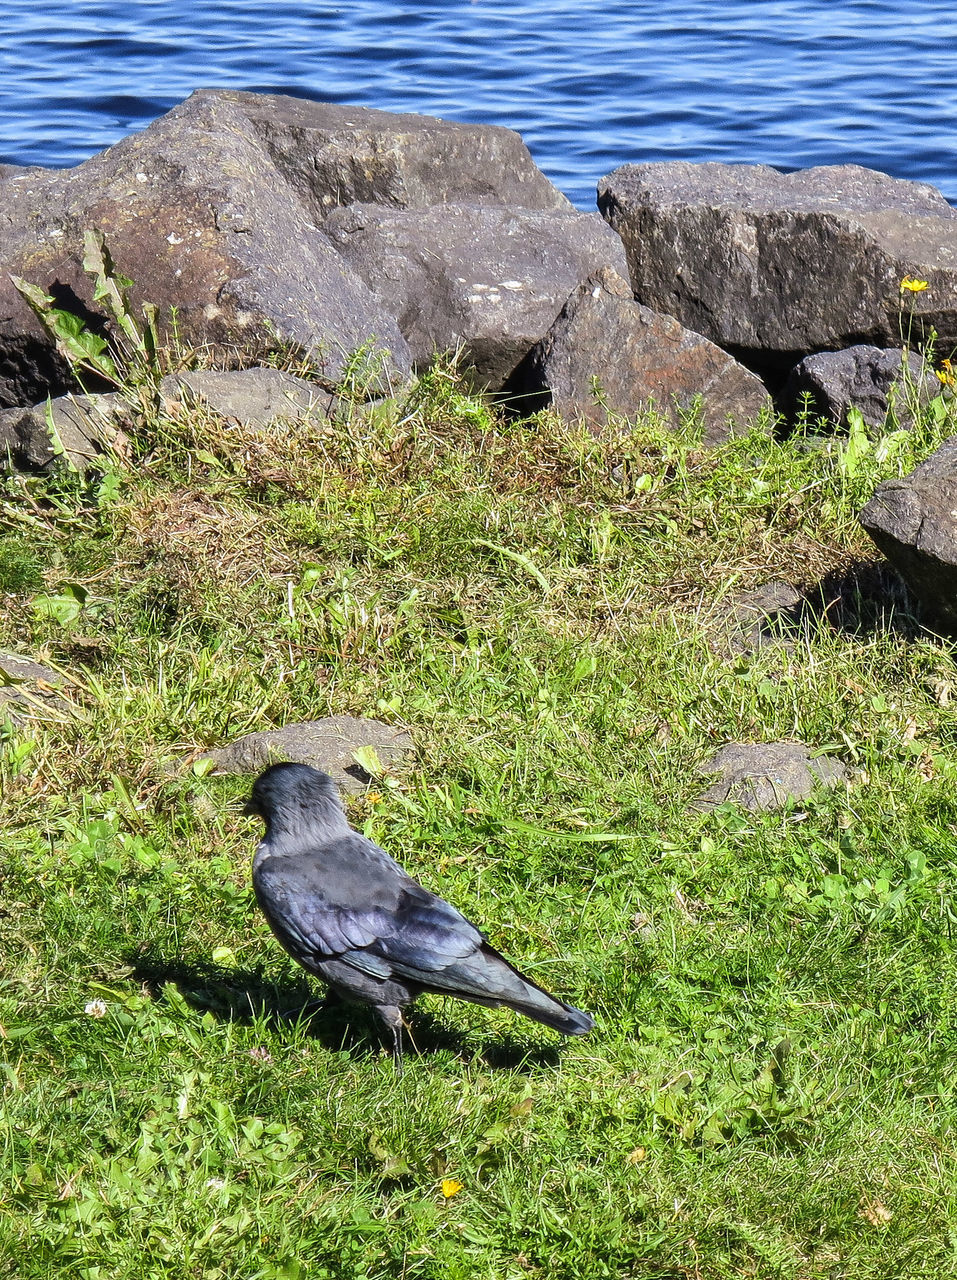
(770, 1087)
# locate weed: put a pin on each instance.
(133, 356)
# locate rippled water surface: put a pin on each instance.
(590, 84)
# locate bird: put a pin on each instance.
(347, 912)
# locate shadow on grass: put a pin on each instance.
(241, 995)
(864, 597)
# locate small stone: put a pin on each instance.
(73, 428)
(766, 775)
(326, 744)
(871, 380)
(32, 688)
(256, 398)
(758, 617)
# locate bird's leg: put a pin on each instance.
(391, 1015)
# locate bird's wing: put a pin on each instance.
(424, 935)
(348, 900)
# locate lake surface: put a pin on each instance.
(590, 84)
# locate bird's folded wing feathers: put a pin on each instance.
(424, 935)
(351, 902)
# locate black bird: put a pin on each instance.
(346, 911)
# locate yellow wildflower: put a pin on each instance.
(374, 797)
(450, 1188)
(912, 285)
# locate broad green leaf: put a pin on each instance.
(367, 758)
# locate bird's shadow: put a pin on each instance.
(244, 995)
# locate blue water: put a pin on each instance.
(590, 84)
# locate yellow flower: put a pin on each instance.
(946, 376)
(912, 285)
(374, 798)
(450, 1188)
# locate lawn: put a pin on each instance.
(770, 1087)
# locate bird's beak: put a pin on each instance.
(249, 809)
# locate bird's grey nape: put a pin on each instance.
(298, 804)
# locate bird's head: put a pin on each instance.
(297, 800)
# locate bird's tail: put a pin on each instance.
(555, 1013)
(487, 978)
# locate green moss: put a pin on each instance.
(21, 568)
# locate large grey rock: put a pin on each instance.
(28, 689)
(869, 379)
(766, 775)
(254, 397)
(76, 430)
(325, 744)
(338, 155)
(604, 339)
(196, 213)
(769, 264)
(486, 279)
(914, 523)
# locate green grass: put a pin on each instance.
(770, 1088)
